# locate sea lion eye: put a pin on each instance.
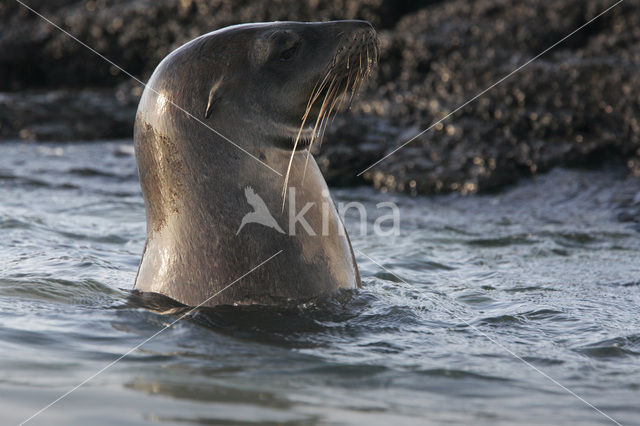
(288, 54)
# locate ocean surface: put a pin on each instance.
(519, 307)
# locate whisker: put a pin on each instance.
(325, 120)
(368, 60)
(295, 144)
(313, 98)
(286, 177)
(323, 109)
(353, 79)
(315, 93)
(353, 91)
(344, 94)
(327, 117)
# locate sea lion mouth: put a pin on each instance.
(290, 134)
(354, 59)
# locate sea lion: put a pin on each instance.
(222, 123)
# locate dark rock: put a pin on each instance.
(137, 34)
(64, 115)
(577, 105)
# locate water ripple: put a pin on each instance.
(547, 270)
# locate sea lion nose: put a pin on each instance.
(365, 30)
(353, 27)
(365, 26)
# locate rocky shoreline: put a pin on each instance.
(578, 105)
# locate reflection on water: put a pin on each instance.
(549, 270)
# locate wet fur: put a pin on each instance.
(193, 177)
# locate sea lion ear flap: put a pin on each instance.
(214, 95)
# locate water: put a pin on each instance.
(481, 297)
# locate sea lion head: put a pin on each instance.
(303, 69)
(276, 79)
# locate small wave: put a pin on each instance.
(459, 374)
(14, 223)
(90, 172)
(612, 348)
(54, 289)
(503, 241)
(523, 317)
